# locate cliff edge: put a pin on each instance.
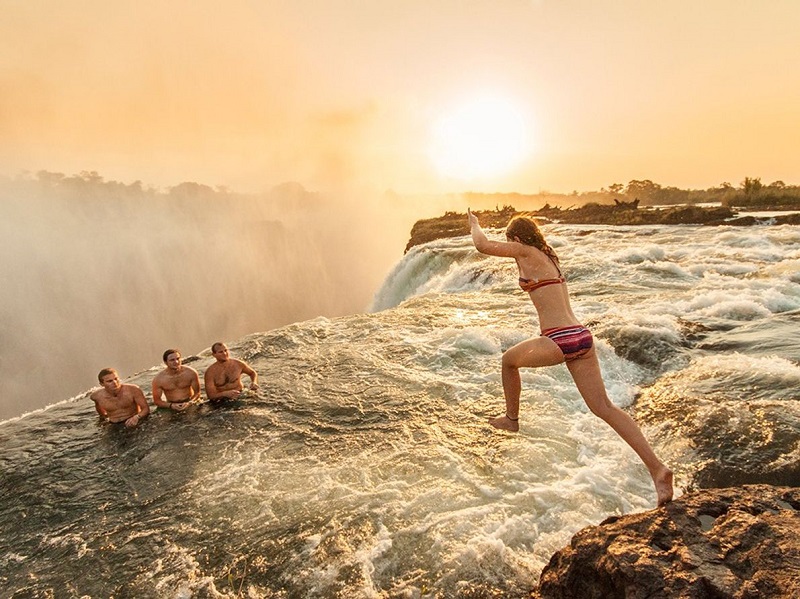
(739, 542)
(454, 224)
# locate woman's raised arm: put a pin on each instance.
(503, 249)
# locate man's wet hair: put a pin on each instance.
(105, 372)
(168, 352)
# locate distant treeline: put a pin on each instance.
(89, 186)
(751, 193)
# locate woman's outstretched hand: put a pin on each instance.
(473, 220)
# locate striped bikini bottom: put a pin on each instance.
(574, 341)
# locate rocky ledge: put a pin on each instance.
(739, 542)
(454, 224)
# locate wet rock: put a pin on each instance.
(455, 224)
(739, 542)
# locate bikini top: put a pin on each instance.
(533, 284)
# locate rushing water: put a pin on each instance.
(364, 466)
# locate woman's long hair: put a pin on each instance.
(528, 233)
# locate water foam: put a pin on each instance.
(445, 266)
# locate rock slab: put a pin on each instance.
(738, 542)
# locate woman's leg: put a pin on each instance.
(539, 351)
(589, 380)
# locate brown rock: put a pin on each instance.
(739, 542)
(454, 224)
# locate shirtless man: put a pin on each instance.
(180, 384)
(223, 379)
(118, 402)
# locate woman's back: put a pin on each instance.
(541, 277)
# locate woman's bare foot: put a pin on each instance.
(505, 423)
(663, 482)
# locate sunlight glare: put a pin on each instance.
(484, 137)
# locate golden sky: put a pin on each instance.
(353, 93)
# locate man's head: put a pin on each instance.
(172, 358)
(220, 351)
(109, 378)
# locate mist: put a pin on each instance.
(100, 273)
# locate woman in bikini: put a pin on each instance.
(563, 339)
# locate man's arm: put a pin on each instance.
(141, 404)
(157, 393)
(141, 401)
(195, 385)
(97, 407)
(251, 373)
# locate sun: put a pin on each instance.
(479, 139)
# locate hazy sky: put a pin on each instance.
(347, 93)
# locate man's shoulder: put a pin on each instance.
(97, 394)
(190, 371)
